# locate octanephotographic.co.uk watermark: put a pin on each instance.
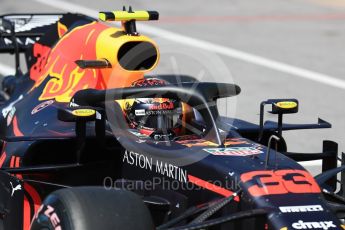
(161, 183)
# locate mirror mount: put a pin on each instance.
(280, 107)
(81, 115)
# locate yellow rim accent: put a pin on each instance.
(83, 112)
(286, 104)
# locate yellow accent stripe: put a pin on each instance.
(126, 16)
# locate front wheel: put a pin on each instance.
(90, 208)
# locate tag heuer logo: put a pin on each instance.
(140, 112)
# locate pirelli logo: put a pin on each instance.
(305, 208)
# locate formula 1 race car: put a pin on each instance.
(90, 140)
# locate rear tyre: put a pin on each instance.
(89, 208)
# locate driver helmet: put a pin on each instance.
(159, 118)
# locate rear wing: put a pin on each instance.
(18, 32)
(23, 30)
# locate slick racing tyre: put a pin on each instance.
(90, 208)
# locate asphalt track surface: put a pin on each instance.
(271, 48)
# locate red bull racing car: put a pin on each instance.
(90, 140)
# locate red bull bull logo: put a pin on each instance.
(60, 77)
(59, 65)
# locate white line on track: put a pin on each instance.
(226, 51)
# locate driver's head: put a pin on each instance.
(159, 118)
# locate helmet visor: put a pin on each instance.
(162, 121)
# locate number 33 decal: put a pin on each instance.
(266, 182)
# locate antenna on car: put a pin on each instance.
(268, 151)
(129, 18)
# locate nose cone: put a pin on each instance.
(291, 196)
(304, 216)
